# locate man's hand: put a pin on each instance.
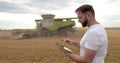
(63, 47)
(71, 42)
(67, 51)
(67, 41)
(73, 56)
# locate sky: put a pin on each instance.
(21, 14)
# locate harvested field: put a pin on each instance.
(44, 49)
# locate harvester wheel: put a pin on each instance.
(62, 32)
(45, 32)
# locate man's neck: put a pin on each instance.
(92, 22)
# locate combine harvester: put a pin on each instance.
(23, 33)
(51, 27)
(48, 26)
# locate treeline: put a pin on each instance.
(4, 30)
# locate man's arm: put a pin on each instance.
(89, 55)
(77, 44)
(87, 58)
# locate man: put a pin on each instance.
(93, 45)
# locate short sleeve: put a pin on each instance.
(92, 40)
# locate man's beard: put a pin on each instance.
(85, 23)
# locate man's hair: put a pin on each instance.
(85, 8)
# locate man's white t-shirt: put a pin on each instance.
(95, 39)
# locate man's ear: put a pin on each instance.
(88, 15)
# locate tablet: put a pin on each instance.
(61, 46)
